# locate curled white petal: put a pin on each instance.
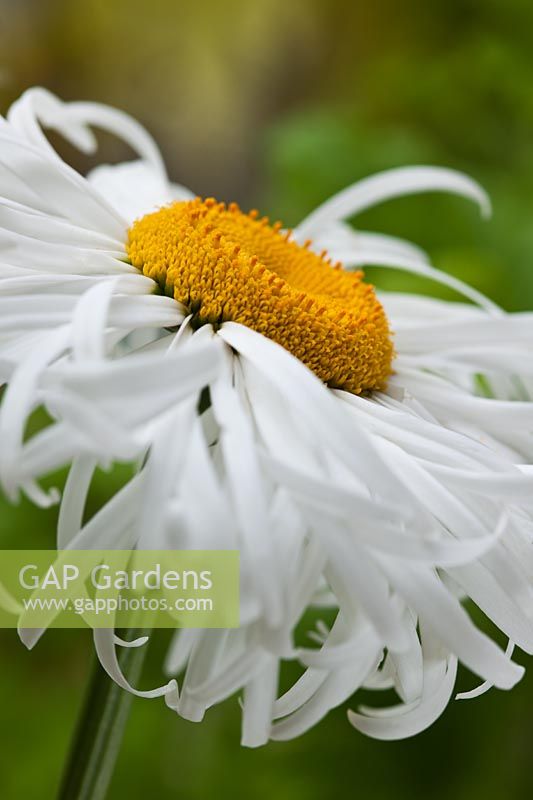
(390, 184)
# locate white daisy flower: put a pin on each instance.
(370, 456)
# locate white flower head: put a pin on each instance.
(367, 454)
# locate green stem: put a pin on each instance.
(100, 728)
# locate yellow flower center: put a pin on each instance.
(225, 265)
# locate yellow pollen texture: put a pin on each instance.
(225, 265)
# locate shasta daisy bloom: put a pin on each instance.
(367, 454)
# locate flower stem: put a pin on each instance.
(100, 728)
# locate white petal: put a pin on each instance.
(387, 185)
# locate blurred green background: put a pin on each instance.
(278, 104)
